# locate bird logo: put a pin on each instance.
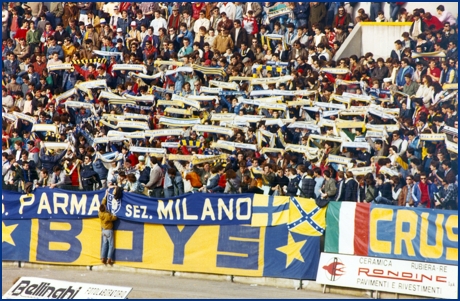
(334, 269)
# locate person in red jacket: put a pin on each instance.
(432, 21)
(197, 7)
(91, 70)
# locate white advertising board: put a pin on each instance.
(389, 275)
(42, 288)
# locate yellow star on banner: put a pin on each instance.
(292, 250)
(6, 233)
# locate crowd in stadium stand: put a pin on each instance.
(163, 99)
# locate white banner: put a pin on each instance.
(273, 106)
(182, 122)
(109, 95)
(42, 288)
(355, 145)
(222, 116)
(179, 69)
(328, 105)
(133, 124)
(24, 116)
(66, 94)
(107, 53)
(213, 129)
(452, 146)
(210, 90)
(389, 275)
(56, 145)
(224, 144)
(361, 170)
(134, 67)
(139, 149)
(164, 133)
(202, 97)
(170, 144)
(144, 98)
(187, 101)
(223, 85)
(53, 67)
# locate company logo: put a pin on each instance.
(114, 204)
(334, 269)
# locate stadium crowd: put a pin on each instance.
(164, 98)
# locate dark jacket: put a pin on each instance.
(292, 186)
(340, 195)
(351, 190)
(317, 14)
(49, 161)
(301, 11)
(242, 37)
(308, 188)
(144, 175)
(385, 190)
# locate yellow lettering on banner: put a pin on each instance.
(24, 203)
(228, 210)
(427, 250)
(95, 203)
(405, 216)
(207, 210)
(165, 211)
(379, 214)
(124, 240)
(190, 217)
(60, 226)
(59, 246)
(77, 207)
(452, 223)
(63, 205)
(238, 208)
(44, 204)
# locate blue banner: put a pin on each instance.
(188, 209)
(239, 250)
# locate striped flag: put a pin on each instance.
(347, 229)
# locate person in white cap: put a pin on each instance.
(114, 17)
(134, 35)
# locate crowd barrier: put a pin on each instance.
(241, 235)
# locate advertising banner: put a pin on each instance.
(389, 275)
(42, 288)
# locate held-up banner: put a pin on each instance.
(241, 250)
(188, 209)
(42, 288)
(389, 275)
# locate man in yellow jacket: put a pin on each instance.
(107, 219)
(222, 42)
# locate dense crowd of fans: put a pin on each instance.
(87, 85)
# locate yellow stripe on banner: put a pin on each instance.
(385, 23)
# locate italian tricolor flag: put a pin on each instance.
(347, 230)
